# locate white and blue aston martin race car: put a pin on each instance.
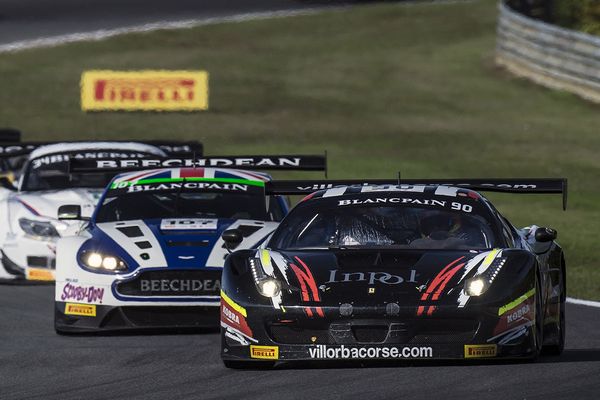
(152, 253)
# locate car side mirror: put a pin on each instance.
(69, 212)
(7, 184)
(232, 238)
(545, 235)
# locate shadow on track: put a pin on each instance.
(568, 356)
(572, 355)
(145, 332)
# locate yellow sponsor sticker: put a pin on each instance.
(480, 350)
(264, 352)
(233, 304)
(39, 274)
(85, 310)
(146, 90)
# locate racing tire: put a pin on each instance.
(539, 320)
(242, 364)
(557, 349)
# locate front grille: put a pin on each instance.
(292, 334)
(445, 331)
(41, 262)
(370, 333)
(172, 283)
(373, 331)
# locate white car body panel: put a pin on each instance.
(18, 247)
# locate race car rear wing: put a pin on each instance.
(10, 135)
(279, 162)
(173, 148)
(525, 186)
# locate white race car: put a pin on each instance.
(29, 226)
(152, 253)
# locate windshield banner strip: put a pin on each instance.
(277, 162)
(122, 185)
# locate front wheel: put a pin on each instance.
(539, 320)
(557, 349)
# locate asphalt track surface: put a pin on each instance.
(33, 19)
(36, 363)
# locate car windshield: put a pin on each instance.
(51, 172)
(399, 226)
(184, 203)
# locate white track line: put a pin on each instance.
(588, 303)
(191, 23)
(101, 34)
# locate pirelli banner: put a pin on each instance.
(104, 90)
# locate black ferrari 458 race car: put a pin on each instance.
(402, 271)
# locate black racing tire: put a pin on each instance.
(539, 320)
(557, 349)
(243, 364)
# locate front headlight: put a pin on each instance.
(476, 286)
(479, 284)
(269, 287)
(102, 262)
(42, 229)
(265, 284)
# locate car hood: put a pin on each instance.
(379, 277)
(179, 243)
(46, 203)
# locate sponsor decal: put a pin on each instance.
(343, 352)
(171, 284)
(405, 200)
(89, 294)
(179, 224)
(520, 315)
(39, 274)
(480, 350)
(161, 286)
(393, 200)
(187, 185)
(438, 284)
(308, 287)
(234, 316)
(502, 310)
(84, 310)
(63, 158)
(264, 352)
(370, 278)
(258, 162)
(144, 90)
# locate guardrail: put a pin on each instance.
(551, 56)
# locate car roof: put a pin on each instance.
(208, 173)
(94, 146)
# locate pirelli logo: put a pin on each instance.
(84, 310)
(264, 352)
(480, 350)
(145, 90)
(37, 274)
